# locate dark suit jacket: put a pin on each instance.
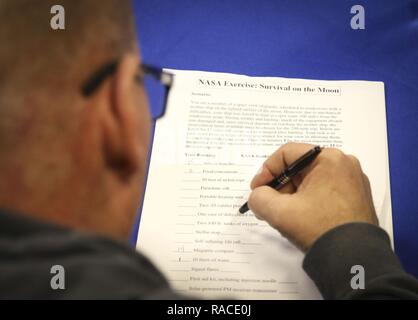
(99, 268)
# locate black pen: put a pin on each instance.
(289, 172)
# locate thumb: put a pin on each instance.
(272, 206)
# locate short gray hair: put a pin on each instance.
(35, 59)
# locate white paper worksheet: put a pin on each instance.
(218, 130)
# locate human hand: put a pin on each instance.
(331, 191)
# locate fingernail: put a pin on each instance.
(259, 170)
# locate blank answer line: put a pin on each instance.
(175, 280)
(288, 292)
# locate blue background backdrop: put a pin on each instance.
(306, 39)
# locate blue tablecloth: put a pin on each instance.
(306, 39)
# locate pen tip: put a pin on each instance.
(244, 208)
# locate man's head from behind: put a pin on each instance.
(66, 158)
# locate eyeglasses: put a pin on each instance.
(157, 82)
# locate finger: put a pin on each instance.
(369, 190)
(270, 205)
(367, 184)
(264, 176)
(278, 161)
(355, 161)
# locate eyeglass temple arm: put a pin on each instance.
(164, 77)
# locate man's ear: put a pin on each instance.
(121, 120)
